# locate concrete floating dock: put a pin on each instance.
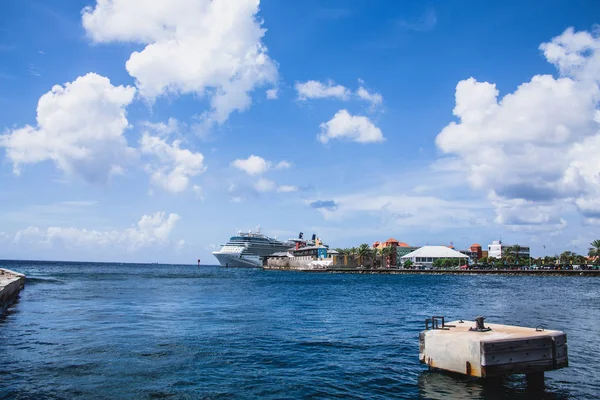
(491, 350)
(11, 284)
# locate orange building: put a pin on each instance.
(401, 249)
(476, 249)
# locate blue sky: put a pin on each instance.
(136, 132)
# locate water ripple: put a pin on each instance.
(97, 331)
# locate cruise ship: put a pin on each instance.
(249, 249)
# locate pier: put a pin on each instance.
(11, 284)
(481, 350)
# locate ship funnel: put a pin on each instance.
(300, 235)
(314, 236)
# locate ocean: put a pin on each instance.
(142, 331)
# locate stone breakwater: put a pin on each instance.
(11, 284)
(447, 272)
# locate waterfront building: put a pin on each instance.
(498, 250)
(474, 252)
(318, 251)
(402, 249)
(426, 255)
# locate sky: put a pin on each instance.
(135, 131)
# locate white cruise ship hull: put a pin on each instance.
(238, 260)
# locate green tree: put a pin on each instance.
(580, 260)
(388, 253)
(407, 264)
(341, 251)
(515, 251)
(364, 253)
(594, 252)
(510, 260)
(498, 263)
(566, 257)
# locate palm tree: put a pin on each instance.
(515, 250)
(388, 252)
(378, 255)
(364, 251)
(594, 252)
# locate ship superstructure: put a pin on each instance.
(248, 249)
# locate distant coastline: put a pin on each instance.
(388, 271)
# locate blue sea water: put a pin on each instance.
(128, 331)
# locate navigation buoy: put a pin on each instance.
(198, 262)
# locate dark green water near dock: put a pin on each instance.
(111, 331)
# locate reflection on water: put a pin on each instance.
(438, 385)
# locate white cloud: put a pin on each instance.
(283, 165)
(164, 129)
(317, 90)
(398, 210)
(539, 144)
(287, 188)
(209, 48)
(376, 99)
(343, 125)
(264, 185)
(173, 166)
(253, 165)
(150, 230)
(79, 127)
(525, 215)
(272, 94)
(256, 165)
(575, 54)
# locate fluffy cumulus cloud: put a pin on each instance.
(256, 165)
(372, 97)
(318, 90)
(208, 48)
(356, 128)
(151, 230)
(538, 146)
(79, 127)
(171, 166)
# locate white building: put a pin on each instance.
(426, 255)
(498, 249)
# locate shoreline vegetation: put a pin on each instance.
(512, 260)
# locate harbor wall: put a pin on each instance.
(301, 263)
(311, 263)
(348, 270)
(11, 284)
